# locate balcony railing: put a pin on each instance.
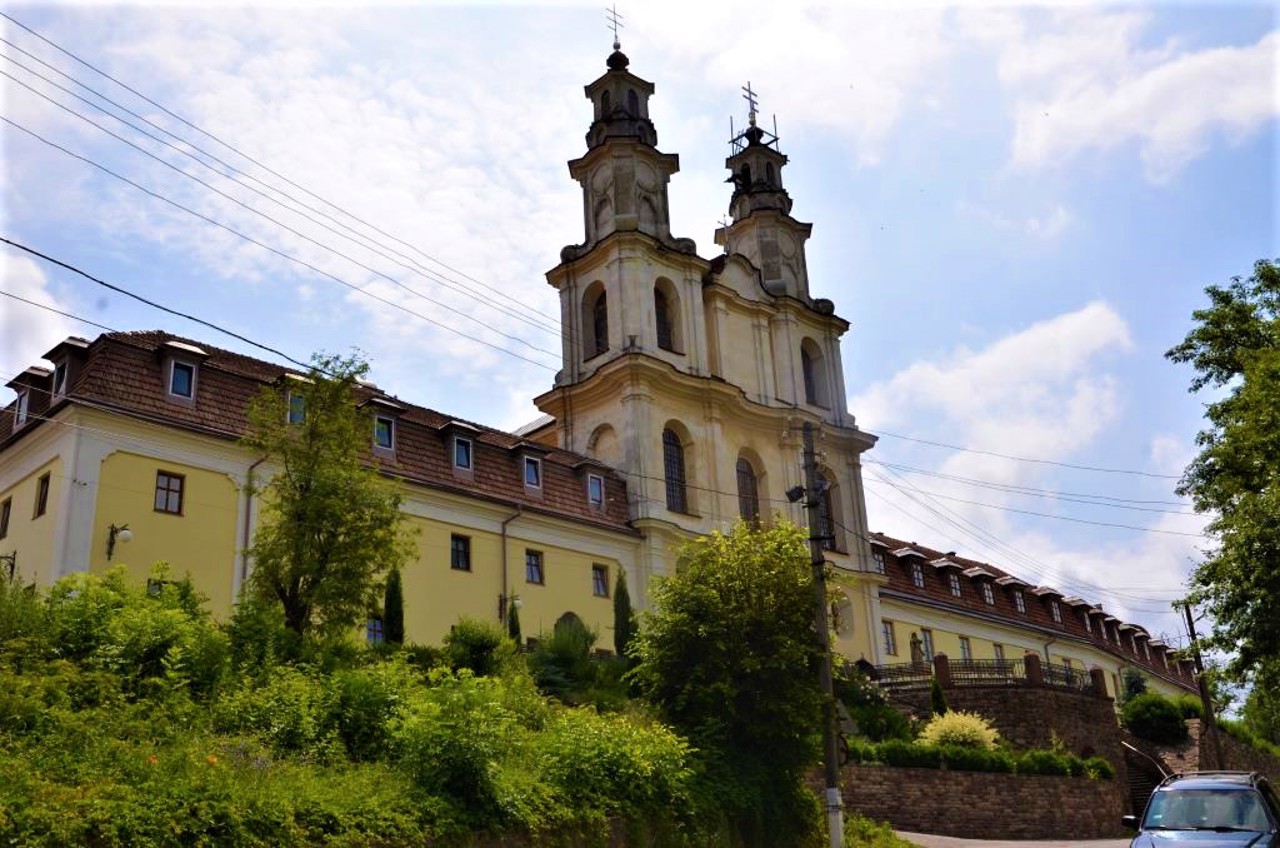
(1031, 671)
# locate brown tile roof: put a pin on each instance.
(124, 372)
(899, 555)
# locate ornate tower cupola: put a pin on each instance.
(762, 228)
(623, 174)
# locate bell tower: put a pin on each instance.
(762, 229)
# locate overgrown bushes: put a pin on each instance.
(916, 755)
(1155, 718)
(129, 718)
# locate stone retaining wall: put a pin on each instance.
(976, 805)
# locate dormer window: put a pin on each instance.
(533, 472)
(1088, 624)
(297, 408)
(1019, 601)
(917, 575)
(60, 379)
(384, 432)
(988, 594)
(461, 453)
(953, 580)
(182, 379)
(595, 491)
(20, 412)
(1055, 610)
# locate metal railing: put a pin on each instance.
(988, 672)
(1066, 677)
(963, 673)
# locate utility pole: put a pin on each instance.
(817, 535)
(1210, 724)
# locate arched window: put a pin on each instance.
(595, 321)
(673, 469)
(606, 105)
(810, 379)
(827, 510)
(748, 492)
(662, 313)
(813, 374)
(633, 103)
(744, 177)
(770, 175)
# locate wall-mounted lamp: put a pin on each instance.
(795, 493)
(122, 532)
(503, 601)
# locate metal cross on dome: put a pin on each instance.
(750, 97)
(613, 21)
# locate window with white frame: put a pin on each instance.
(877, 561)
(60, 379)
(1019, 601)
(966, 650)
(182, 379)
(461, 453)
(533, 472)
(384, 432)
(953, 580)
(926, 642)
(1055, 609)
(297, 408)
(988, 594)
(42, 495)
(20, 412)
(1088, 623)
(889, 638)
(595, 490)
(917, 575)
(999, 651)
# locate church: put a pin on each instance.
(685, 386)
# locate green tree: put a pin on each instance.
(513, 623)
(1261, 710)
(728, 655)
(624, 617)
(393, 609)
(331, 525)
(1235, 349)
(1132, 683)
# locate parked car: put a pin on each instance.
(1208, 809)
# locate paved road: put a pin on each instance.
(927, 840)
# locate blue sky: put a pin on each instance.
(1016, 207)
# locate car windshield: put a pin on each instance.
(1207, 809)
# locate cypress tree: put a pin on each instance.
(937, 700)
(513, 622)
(624, 618)
(393, 609)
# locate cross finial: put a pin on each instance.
(614, 21)
(750, 97)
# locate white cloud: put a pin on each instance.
(1084, 84)
(1051, 227)
(27, 331)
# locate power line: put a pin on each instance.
(244, 155)
(1060, 517)
(274, 250)
(283, 225)
(1093, 468)
(48, 308)
(1107, 500)
(358, 238)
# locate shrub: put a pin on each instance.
(879, 722)
(292, 710)
(896, 752)
(1046, 762)
(862, 832)
(1155, 718)
(977, 759)
(1096, 768)
(1190, 707)
(966, 730)
(937, 698)
(477, 646)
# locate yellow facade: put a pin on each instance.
(31, 532)
(199, 541)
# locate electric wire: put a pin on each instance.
(285, 226)
(274, 250)
(69, 54)
(1094, 468)
(358, 238)
(1103, 500)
